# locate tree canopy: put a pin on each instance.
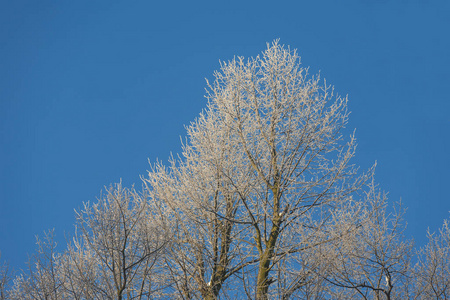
(264, 202)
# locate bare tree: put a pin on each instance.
(373, 258)
(264, 157)
(115, 254)
(433, 269)
(203, 204)
(5, 278)
(43, 279)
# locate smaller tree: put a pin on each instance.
(372, 257)
(433, 268)
(44, 279)
(115, 254)
(4, 278)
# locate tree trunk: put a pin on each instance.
(263, 282)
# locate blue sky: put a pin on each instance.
(89, 90)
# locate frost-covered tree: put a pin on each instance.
(433, 270)
(4, 278)
(265, 159)
(115, 253)
(43, 279)
(374, 258)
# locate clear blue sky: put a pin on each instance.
(89, 90)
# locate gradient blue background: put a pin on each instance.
(89, 90)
